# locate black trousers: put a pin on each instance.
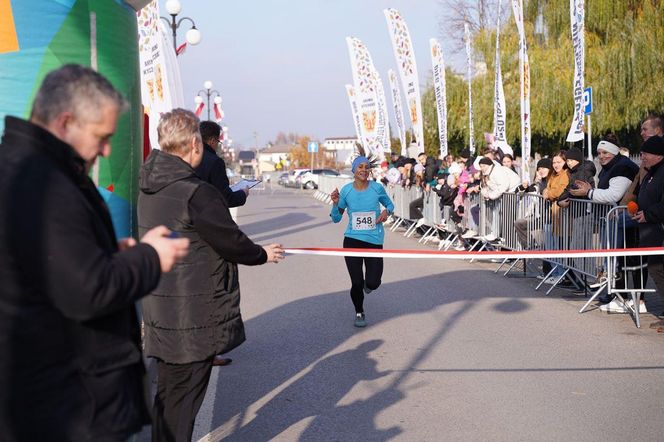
(180, 393)
(374, 271)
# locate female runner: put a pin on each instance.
(362, 199)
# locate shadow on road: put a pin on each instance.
(269, 391)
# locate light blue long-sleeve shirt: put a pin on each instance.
(363, 208)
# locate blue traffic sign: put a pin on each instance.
(312, 147)
(588, 100)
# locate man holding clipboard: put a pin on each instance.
(213, 170)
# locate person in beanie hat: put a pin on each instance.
(651, 209)
(579, 170)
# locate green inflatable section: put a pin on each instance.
(110, 27)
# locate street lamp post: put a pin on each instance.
(193, 35)
(208, 93)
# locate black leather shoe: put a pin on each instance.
(218, 361)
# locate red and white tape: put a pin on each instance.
(454, 254)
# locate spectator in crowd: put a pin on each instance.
(578, 170)
(521, 225)
(194, 313)
(555, 186)
(508, 161)
(617, 174)
(650, 216)
(496, 179)
(651, 126)
(71, 366)
(213, 168)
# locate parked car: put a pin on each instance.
(283, 178)
(309, 179)
(292, 177)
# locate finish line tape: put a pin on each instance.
(454, 254)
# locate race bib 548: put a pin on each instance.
(364, 220)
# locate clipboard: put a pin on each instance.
(245, 184)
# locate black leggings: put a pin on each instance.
(374, 271)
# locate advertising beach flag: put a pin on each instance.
(577, 13)
(365, 84)
(398, 110)
(499, 109)
(469, 61)
(524, 73)
(350, 92)
(440, 92)
(405, 57)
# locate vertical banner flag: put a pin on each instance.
(350, 91)
(439, 88)
(398, 110)
(383, 119)
(577, 13)
(218, 113)
(471, 139)
(499, 110)
(161, 87)
(405, 56)
(524, 72)
(364, 78)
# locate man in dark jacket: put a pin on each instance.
(194, 313)
(70, 364)
(651, 208)
(213, 168)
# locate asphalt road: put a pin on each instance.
(452, 351)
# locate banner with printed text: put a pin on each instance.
(161, 86)
(524, 73)
(383, 119)
(577, 13)
(366, 93)
(405, 57)
(469, 62)
(398, 110)
(350, 92)
(499, 109)
(439, 87)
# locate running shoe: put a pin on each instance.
(360, 321)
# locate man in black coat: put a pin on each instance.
(70, 364)
(213, 168)
(650, 216)
(194, 313)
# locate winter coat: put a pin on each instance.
(614, 180)
(213, 170)
(555, 186)
(194, 313)
(71, 366)
(499, 180)
(651, 202)
(584, 171)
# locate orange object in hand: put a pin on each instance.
(632, 207)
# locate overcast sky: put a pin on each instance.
(281, 65)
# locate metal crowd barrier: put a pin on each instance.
(625, 276)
